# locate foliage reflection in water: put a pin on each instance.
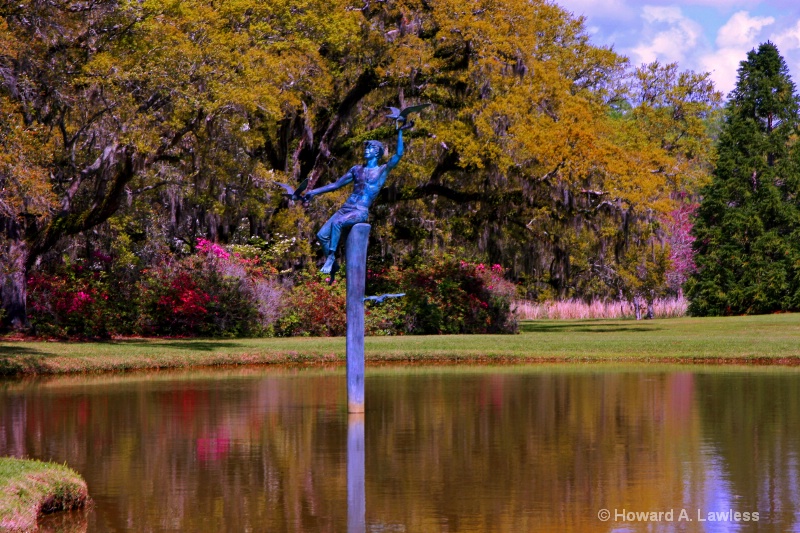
(491, 449)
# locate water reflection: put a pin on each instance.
(497, 449)
(356, 497)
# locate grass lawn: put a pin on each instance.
(766, 339)
(30, 488)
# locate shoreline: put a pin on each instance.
(59, 366)
(764, 340)
(30, 489)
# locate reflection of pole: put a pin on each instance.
(356, 256)
(356, 498)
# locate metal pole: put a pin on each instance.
(356, 256)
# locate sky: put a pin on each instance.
(700, 35)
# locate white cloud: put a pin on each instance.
(723, 65)
(701, 35)
(668, 14)
(734, 39)
(741, 29)
(672, 35)
(788, 39)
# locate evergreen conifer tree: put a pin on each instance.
(747, 247)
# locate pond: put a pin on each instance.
(480, 449)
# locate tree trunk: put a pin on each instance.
(13, 285)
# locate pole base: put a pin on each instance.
(355, 408)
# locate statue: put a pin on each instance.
(367, 179)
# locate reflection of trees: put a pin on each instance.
(525, 452)
(445, 450)
(752, 424)
(196, 455)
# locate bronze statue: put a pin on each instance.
(367, 179)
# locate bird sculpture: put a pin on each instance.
(382, 297)
(401, 115)
(292, 193)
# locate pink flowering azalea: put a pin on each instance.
(207, 247)
(77, 302)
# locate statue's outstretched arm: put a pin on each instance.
(338, 184)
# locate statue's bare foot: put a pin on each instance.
(328, 266)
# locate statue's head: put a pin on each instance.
(373, 149)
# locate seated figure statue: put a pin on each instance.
(367, 182)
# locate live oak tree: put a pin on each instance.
(541, 151)
(520, 160)
(105, 99)
(748, 225)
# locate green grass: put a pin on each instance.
(31, 488)
(766, 339)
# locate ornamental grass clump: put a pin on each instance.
(574, 309)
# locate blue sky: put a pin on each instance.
(701, 35)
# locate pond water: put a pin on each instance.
(531, 448)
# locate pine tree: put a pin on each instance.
(748, 225)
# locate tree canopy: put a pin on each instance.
(141, 126)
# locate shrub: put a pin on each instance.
(212, 293)
(314, 308)
(231, 291)
(445, 295)
(193, 297)
(172, 302)
(71, 302)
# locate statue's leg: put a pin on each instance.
(324, 237)
(328, 237)
(341, 220)
(336, 230)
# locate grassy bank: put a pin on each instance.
(31, 488)
(768, 339)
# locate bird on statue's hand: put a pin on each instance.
(401, 115)
(292, 193)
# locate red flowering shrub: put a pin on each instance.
(314, 308)
(192, 297)
(441, 296)
(172, 302)
(214, 293)
(72, 302)
(234, 292)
